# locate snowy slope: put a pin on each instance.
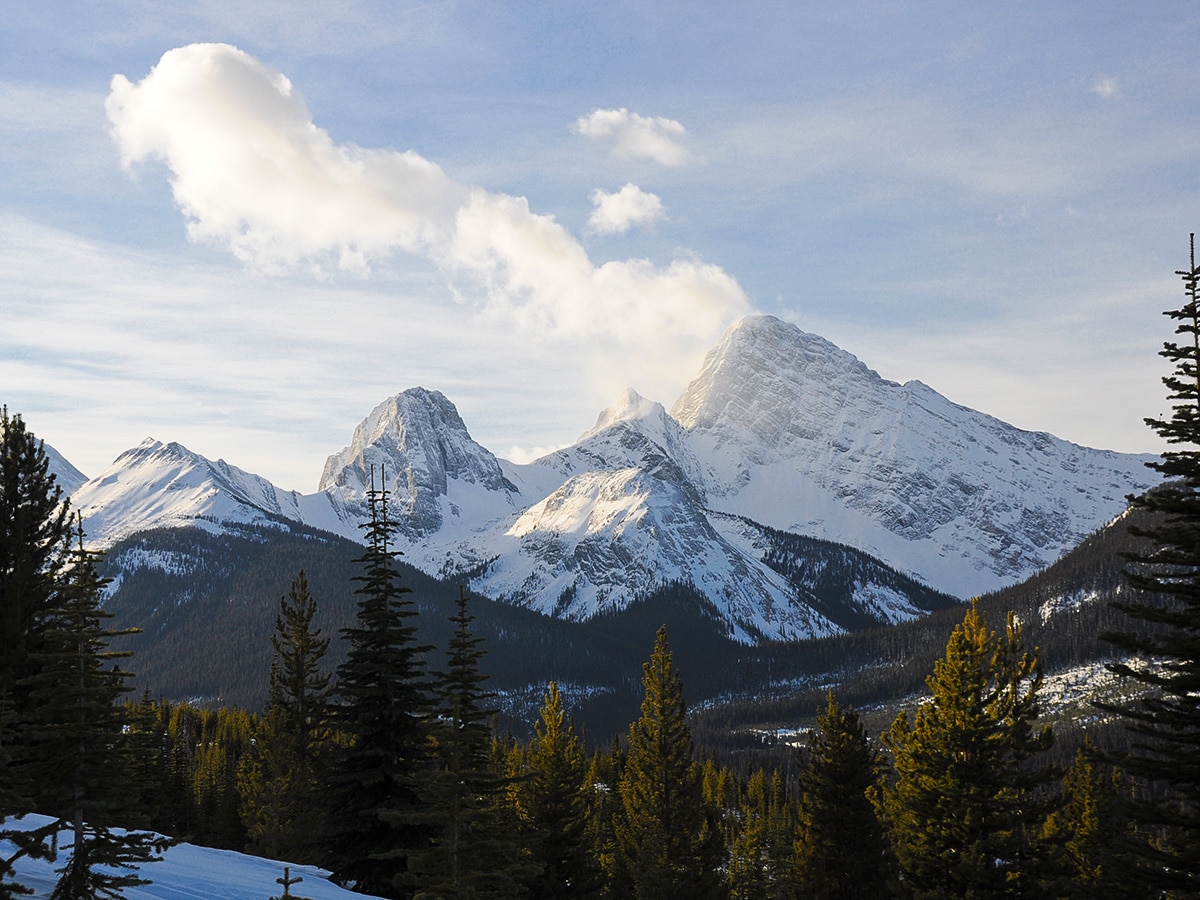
(66, 475)
(800, 435)
(189, 872)
(162, 485)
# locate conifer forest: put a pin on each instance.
(381, 758)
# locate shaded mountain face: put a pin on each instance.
(782, 444)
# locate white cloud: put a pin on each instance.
(634, 136)
(616, 213)
(1105, 88)
(249, 168)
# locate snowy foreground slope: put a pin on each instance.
(189, 872)
(781, 435)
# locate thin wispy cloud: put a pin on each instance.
(1106, 88)
(619, 211)
(633, 136)
(250, 169)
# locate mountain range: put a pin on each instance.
(785, 459)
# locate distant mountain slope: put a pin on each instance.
(800, 435)
(781, 437)
(66, 475)
(1063, 610)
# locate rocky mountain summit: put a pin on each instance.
(784, 460)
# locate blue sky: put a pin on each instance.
(241, 226)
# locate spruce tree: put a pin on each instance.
(553, 800)
(34, 547)
(843, 848)
(667, 839)
(279, 777)
(1165, 721)
(377, 815)
(474, 850)
(78, 750)
(35, 534)
(964, 809)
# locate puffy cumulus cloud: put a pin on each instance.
(635, 137)
(249, 168)
(535, 272)
(618, 212)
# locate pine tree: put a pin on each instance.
(474, 851)
(964, 808)
(35, 534)
(1165, 722)
(34, 548)
(843, 848)
(78, 748)
(279, 777)
(762, 858)
(553, 801)
(1086, 833)
(667, 839)
(377, 815)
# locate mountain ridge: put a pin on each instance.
(780, 431)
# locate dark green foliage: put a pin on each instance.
(474, 850)
(1086, 836)
(378, 815)
(1165, 721)
(843, 850)
(62, 741)
(34, 535)
(34, 542)
(280, 775)
(553, 798)
(762, 845)
(667, 839)
(963, 809)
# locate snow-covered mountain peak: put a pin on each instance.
(158, 484)
(761, 371)
(419, 444)
(629, 407)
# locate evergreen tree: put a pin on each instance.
(35, 534)
(762, 857)
(843, 848)
(474, 851)
(605, 771)
(1086, 833)
(964, 808)
(1165, 721)
(667, 839)
(279, 777)
(378, 814)
(78, 750)
(553, 801)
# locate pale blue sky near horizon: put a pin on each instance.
(530, 207)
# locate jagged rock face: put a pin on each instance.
(417, 446)
(794, 431)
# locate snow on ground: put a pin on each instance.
(188, 872)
